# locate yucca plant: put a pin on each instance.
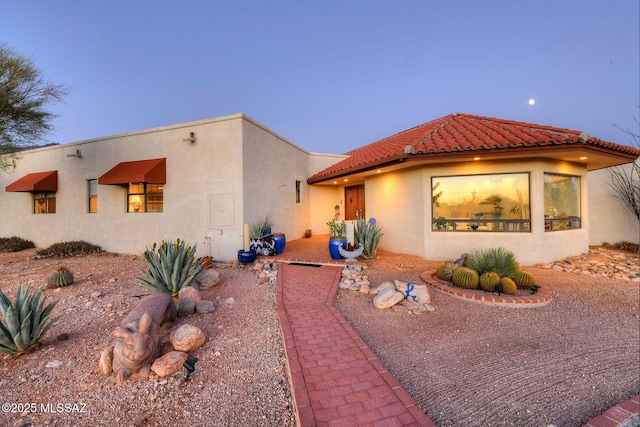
(25, 322)
(171, 268)
(368, 234)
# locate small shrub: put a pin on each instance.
(25, 322)
(15, 244)
(171, 268)
(622, 245)
(466, 278)
(66, 249)
(489, 280)
(508, 286)
(445, 270)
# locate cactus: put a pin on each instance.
(523, 279)
(171, 268)
(464, 277)
(368, 234)
(489, 280)
(60, 278)
(25, 322)
(445, 270)
(508, 286)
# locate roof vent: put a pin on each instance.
(584, 136)
(407, 149)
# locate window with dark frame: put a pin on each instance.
(92, 195)
(297, 191)
(145, 197)
(44, 202)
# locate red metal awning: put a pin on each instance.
(39, 181)
(152, 171)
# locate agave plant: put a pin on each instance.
(25, 322)
(368, 234)
(171, 268)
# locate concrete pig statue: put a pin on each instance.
(137, 340)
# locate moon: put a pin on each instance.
(532, 101)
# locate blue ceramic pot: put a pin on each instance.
(280, 241)
(334, 243)
(246, 257)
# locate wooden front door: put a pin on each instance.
(354, 202)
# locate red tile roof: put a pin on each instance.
(461, 133)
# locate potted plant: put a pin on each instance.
(337, 238)
(260, 229)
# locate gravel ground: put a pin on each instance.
(466, 364)
(239, 380)
(469, 364)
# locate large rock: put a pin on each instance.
(381, 287)
(186, 308)
(205, 306)
(387, 298)
(169, 364)
(189, 292)
(418, 293)
(105, 364)
(206, 279)
(187, 338)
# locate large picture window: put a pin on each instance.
(145, 197)
(561, 202)
(497, 202)
(44, 203)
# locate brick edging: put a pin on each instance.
(621, 414)
(541, 298)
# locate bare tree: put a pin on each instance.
(626, 182)
(24, 93)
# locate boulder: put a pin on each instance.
(205, 306)
(417, 290)
(414, 307)
(387, 298)
(105, 364)
(381, 287)
(187, 338)
(206, 279)
(169, 363)
(189, 292)
(186, 308)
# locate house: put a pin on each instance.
(438, 190)
(463, 182)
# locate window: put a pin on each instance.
(44, 202)
(561, 202)
(497, 202)
(145, 197)
(297, 191)
(92, 192)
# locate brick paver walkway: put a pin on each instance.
(336, 379)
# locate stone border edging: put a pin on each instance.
(539, 299)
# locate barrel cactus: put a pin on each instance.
(489, 280)
(508, 286)
(60, 277)
(464, 277)
(445, 270)
(523, 279)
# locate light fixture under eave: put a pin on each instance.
(192, 137)
(476, 158)
(379, 171)
(346, 180)
(583, 158)
(335, 182)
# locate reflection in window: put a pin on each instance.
(92, 190)
(44, 202)
(497, 202)
(561, 202)
(145, 197)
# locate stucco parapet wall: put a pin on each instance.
(220, 119)
(542, 297)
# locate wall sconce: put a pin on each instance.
(78, 154)
(192, 137)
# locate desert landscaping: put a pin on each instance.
(464, 363)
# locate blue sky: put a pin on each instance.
(332, 76)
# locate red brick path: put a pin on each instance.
(336, 379)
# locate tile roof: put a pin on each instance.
(461, 133)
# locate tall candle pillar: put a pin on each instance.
(246, 237)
